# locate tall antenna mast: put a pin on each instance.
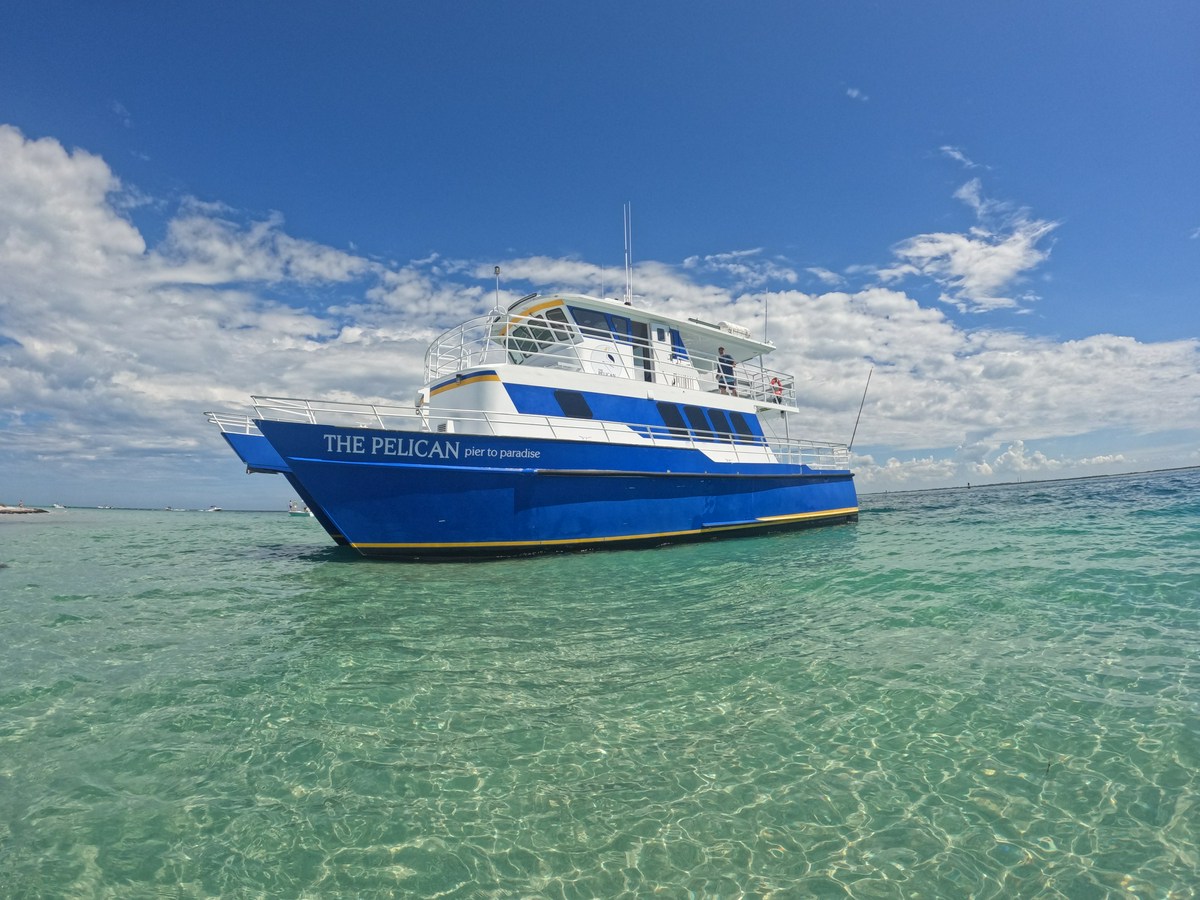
(628, 254)
(497, 271)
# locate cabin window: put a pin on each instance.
(524, 341)
(542, 335)
(591, 322)
(558, 323)
(621, 329)
(700, 426)
(673, 419)
(532, 337)
(521, 343)
(573, 404)
(721, 424)
(742, 427)
(678, 351)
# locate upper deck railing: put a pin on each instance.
(743, 448)
(496, 339)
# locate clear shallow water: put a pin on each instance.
(991, 692)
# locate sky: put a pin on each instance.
(991, 211)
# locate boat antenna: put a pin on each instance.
(628, 254)
(860, 409)
(495, 314)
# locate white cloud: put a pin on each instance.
(56, 215)
(831, 279)
(106, 346)
(118, 109)
(977, 270)
(855, 94)
(956, 154)
(747, 268)
(110, 350)
(202, 248)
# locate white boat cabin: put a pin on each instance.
(580, 368)
(598, 336)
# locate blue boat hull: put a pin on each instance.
(255, 451)
(395, 494)
(259, 456)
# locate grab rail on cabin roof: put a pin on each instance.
(490, 340)
(745, 448)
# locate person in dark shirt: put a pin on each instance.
(725, 366)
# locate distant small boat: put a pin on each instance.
(213, 509)
(294, 510)
(252, 448)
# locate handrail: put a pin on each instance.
(744, 448)
(490, 340)
(233, 423)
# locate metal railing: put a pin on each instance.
(731, 446)
(234, 423)
(497, 339)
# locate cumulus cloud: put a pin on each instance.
(110, 349)
(203, 248)
(108, 344)
(56, 215)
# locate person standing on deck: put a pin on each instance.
(725, 365)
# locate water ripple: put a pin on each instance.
(988, 693)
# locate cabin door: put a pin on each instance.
(660, 343)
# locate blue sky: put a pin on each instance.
(995, 205)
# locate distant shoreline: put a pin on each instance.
(992, 484)
(916, 490)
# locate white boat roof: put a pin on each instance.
(697, 334)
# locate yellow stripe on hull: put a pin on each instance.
(763, 522)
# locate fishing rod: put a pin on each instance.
(860, 409)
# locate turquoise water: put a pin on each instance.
(991, 692)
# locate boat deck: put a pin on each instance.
(815, 454)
